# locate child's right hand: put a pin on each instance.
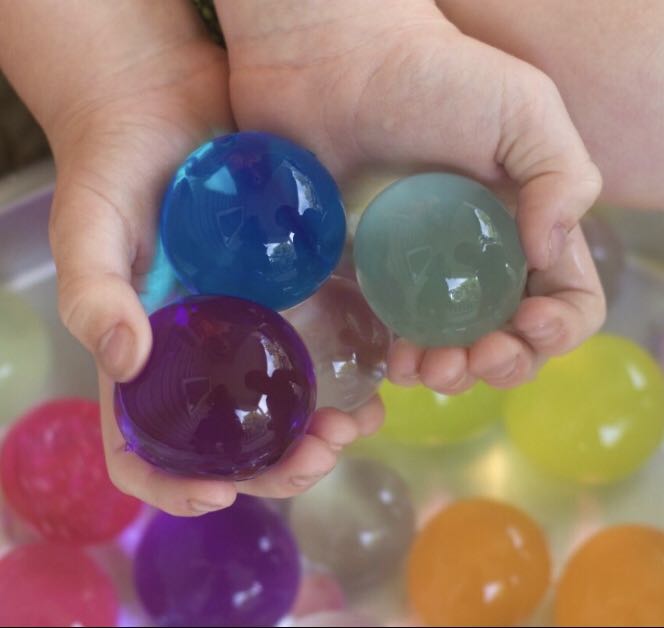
(138, 85)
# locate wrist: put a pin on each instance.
(62, 56)
(286, 32)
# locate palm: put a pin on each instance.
(132, 142)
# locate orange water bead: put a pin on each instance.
(616, 578)
(478, 563)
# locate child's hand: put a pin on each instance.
(125, 91)
(392, 82)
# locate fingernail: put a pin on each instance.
(409, 379)
(455, 382)
(305, 480)
(546, 331)
(503, 371)
(116, 350)
(557, 241)
(203, 507)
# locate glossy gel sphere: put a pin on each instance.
(478, 563)
(54, 474)
(594, 415)
(253, 215)
(346, 341)
(357, 522)
(25, 356)
(161, 286)
(616, 578)
(360, 190)
(51, 585)
(657, 344)
(319, 592)
(347, 619)
(420, 416)
(607, 252)
(439, 260)
(233, 567)
(228, 388)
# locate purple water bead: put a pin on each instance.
(228, 388)
(233, 567)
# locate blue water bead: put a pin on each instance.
(255, 216)
(161, 285)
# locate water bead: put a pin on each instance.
(478, 563)
(347, 619)
(357, 522)
(54, 474)
(44, 584)
(233, 567)
(657, 343)
(25, 356)
(606, 250)
(594, 415)
(255, 216)
(228, 388)
(439, 260)
(161, 285)
(319, 592)
(420, 416)
(616, 578)
(360, 190)
(347, 343)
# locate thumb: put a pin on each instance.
(93, 251)
(543, 153)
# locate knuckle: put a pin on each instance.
(118, 480)
(71, 303)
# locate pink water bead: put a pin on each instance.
(319, 592)
(45, 584)
(54, 475)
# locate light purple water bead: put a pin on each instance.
(234, 567)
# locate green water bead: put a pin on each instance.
(439, 260)
(419, 416)
(25, 355)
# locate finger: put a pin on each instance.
(445, 370)
(543, 153)
(310, 460)
(180, 496)
(93, 254)
(403, 363)
(566, 305)
(502, 360)
(370, 416)
(335, 427)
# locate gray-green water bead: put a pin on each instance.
(439, 260)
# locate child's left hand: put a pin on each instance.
(393, 83)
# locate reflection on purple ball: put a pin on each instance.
(233, 567)
(228, 388)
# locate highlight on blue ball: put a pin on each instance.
(255, 216)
